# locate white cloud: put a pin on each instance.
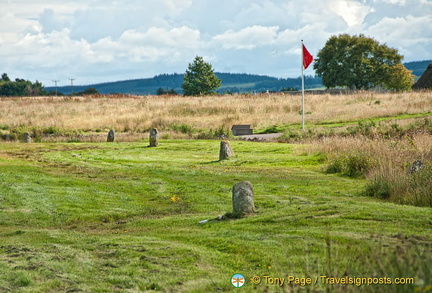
(396, 2)
(179, 37)
(103, 40)
(46, 50)
(411, 35)
(176, 6)
(247, 38)
(351, 11)
(403, 28)
(51, 21)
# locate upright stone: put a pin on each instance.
(154, 137)
(243, 198)
(225, 150)
(415, 167)
(111, 136)
(27, 137)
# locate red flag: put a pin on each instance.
(307, 58)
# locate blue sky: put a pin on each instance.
(102, 40)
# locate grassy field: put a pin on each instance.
(122, 217)
(78, 214)
(89, 119)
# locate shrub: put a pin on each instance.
(353, 164)
(219, 132)
(182, 128)
(379, 187)
(363, 128)
(272, 129)
(52, 130)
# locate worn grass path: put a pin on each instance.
(122, 217)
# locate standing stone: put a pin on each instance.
(243, 198)
(111, 136)
(225, 150)
(415, 167)
(27, 137)
(154, 137)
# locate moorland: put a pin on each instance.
(78, 214)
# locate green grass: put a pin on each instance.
(399, 117)
(339, 125)
(122, 217)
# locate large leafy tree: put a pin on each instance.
(200, 79)
(359, 62)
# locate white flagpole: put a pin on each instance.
(303, 94)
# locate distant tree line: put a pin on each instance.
(170, 83)
(20, 87)
(23, 88)
(162, 91)
(89, 91)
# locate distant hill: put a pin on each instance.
(231, 83)
(418, 67)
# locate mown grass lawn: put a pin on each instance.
(122, 217)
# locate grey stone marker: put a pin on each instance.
(111, 136)
(225, 150)
(154, 137)
(415, 167)
(243, 198)
(27, 137)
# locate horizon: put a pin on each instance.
(216, 72)
(176, 73)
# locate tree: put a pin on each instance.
(359, 62)
(20, 87)
(401, 79)
(13, 89)
(160, 91)
(89, 91)
(200, 79)
(5, 77)
(35, 89)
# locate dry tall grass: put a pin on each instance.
(138, 114)
(387, 164)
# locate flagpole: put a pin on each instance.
(303, 94)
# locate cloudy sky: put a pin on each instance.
(95, 41)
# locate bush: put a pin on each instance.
(51, 130)
(218, 133)
(352, 164)
(182, 128)
(379, 187)
(363, 128)
(272, 129)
